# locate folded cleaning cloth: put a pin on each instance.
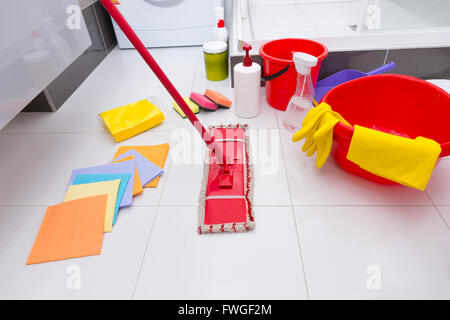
(129, 120)
(406, 161)
(318, 128)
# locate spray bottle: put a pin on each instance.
(302, 100)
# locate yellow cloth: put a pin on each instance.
(110, 188)
(318, 128)
(129, 120)
(406, 161)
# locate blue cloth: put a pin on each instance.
(91, 178)
(113, 168)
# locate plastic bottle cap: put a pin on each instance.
(304, 62)
(215, 47)
(221, 24)
(247, 61)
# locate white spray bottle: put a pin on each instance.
(302, 100)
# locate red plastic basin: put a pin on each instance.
(396, 104)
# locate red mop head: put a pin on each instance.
(226, 196)
(227, 189)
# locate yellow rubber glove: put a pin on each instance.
(318, 128)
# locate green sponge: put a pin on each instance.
(194, 107)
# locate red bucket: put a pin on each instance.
(279, 70)
(397, 104)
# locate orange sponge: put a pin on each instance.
(218, 98)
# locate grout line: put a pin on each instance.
(144, 254)
(196, 205)
(285, 205)
(156, 86)
(293, 215)
(81, 132)
(196, 72)
(299, 6)
(34, 204)
(437, 209)
(363, 205)
(153, 224)
(59, 168)
(16, 228)
(83, 135)
(45, 132)
(17, 205)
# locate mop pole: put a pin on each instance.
(140, 47)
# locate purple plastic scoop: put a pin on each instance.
(325, 85)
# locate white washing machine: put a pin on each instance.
(167, 23)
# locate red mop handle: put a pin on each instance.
(140, 47)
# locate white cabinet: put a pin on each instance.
(166, 23)
(38, 40)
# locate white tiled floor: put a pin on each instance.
(319, 233)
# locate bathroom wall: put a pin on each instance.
(103, 41)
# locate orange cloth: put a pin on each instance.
(156, 154)
(70, 230)
(137, 186)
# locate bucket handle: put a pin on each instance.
(445, 149)
(276, 74)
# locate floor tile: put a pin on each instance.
(262, 264)
(29, 161)
(112, 72)
(75, 115)
(10, 218)
(331, 185)
(445, 213)
(439, 184)
(186, 171)
(266, 118)
(98, 149)
(271, 182)
(127, 69)
(110, 275)
(379, 252)
(179, 64)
